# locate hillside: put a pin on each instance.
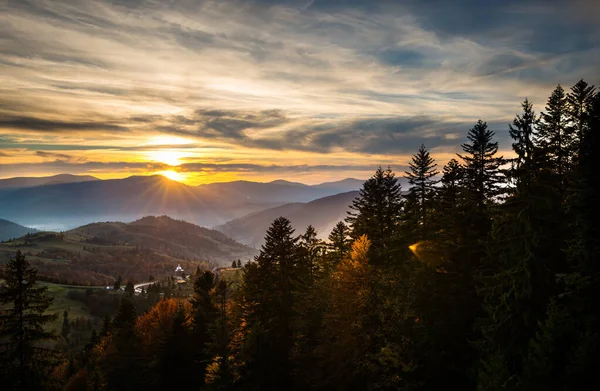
(9, 230)
(173, 237)
(323, 214)
(98, 252)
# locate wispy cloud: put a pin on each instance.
(336, 81)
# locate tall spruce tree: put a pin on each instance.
(482, 165)
(268, 292)
(422, 190)
(339, 241)
(579, 104)
(555, 138)
(522, 131)
(23, 362)
(123, 365)
(450, 209)
(311, 250)
(219, 374)
(203, 316)
(376, 212)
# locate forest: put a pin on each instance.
(482, 275)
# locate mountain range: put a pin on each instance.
(46, 180)
(47, 205)
(322, 214)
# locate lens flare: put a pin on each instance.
(426, 251)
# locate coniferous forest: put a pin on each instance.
(483, 274)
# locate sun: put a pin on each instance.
(173, 175)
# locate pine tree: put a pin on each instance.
(555, 139)
(376, 212)
(339, 241)
(579, 104)
(522, 131)
(311, 249)
(422, 190)
(219, 374)
(203, 316)
(450, 211)
(268, 292)
(23, 316)
(123, 365)
(175, 361)
(482, 173)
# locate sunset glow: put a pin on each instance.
(314, 90)
(166, 156)
(173, 175)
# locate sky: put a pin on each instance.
(305, 90)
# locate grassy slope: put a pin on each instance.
(62, 302)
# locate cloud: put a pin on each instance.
(44, 125)
(322, 79)
(277, 131)
(60, 157)
(141, 167)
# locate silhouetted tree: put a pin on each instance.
(24, 303)
(422, 190)
(268, 291)
(339, 241)
(376, 213)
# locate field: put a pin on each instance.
(75, 308)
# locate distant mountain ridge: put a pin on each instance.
(322, 214)
(9, 230)
(63, 206)
(19, 182)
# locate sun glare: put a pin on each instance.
(173, 175)
(167, 156)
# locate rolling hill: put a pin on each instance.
(96, 253)
(322, 214)
(9, 230)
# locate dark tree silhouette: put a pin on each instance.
(23, 317)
